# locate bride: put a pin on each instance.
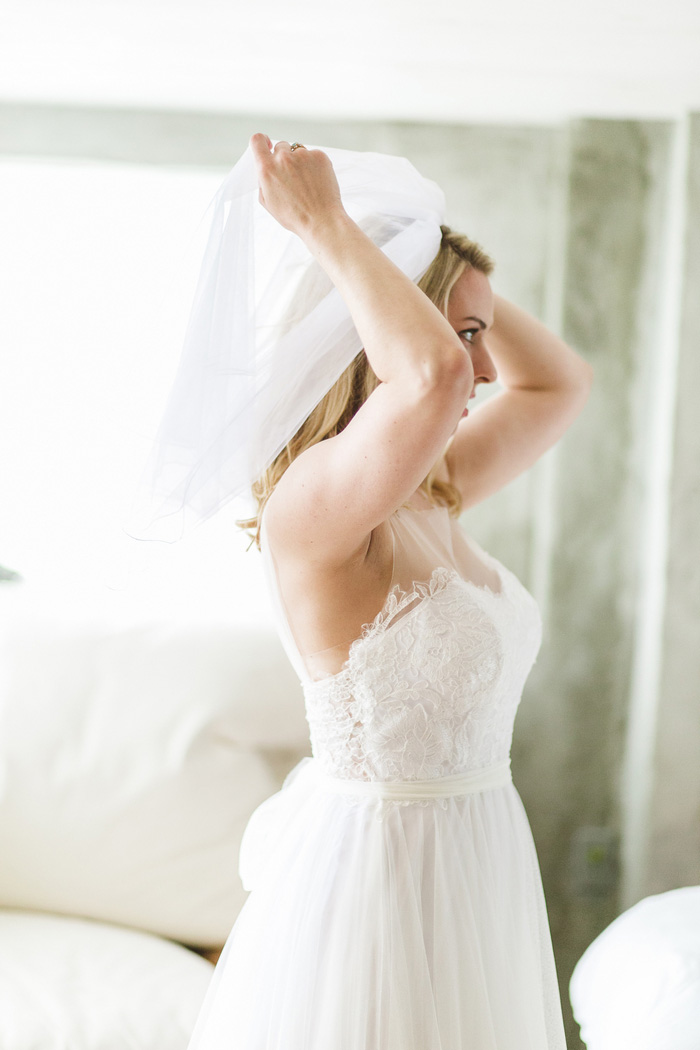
(396, 900)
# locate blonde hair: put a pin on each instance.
(347, 395)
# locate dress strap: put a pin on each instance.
(393, 553)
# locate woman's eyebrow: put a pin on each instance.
(477, 319)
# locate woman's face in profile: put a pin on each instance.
(470, 312)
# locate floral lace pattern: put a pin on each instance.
(432, 686)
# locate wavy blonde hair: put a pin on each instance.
(347, 395)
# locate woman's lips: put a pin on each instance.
(466, 410)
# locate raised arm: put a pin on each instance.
(333, 496)
(546, 386)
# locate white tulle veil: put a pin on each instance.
(268, 336)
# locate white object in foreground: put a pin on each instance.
(637, 987)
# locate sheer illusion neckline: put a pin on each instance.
(397, 599)
(483, 556)
(419, 594)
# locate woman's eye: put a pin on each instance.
(469, 334)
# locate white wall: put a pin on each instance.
(404, 59)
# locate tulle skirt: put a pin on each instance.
(386, 925)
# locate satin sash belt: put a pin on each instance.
(411, 790)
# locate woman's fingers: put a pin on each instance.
(261, 148)
(260, 143)
(297, 188)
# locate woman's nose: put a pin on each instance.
(484, 369)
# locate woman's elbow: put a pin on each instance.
(450, 369)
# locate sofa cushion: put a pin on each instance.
(130, 760)
(73, 984)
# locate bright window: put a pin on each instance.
(98, 268)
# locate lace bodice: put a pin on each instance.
(432, 685)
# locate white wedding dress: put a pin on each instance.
(396, 896)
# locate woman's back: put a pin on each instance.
(325, 612)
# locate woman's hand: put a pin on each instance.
(298, 188)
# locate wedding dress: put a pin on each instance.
(396, 899)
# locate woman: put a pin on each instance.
(397, 901)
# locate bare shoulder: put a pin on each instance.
(328, 598)
(296, 522)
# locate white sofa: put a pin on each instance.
(131, 756)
